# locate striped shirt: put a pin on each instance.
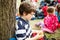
(23, 29)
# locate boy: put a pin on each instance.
(23, 30)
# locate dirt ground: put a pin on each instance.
(55, 35)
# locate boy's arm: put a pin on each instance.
(40, 34)
(20, 32)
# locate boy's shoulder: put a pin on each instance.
(21, 20)
(21, 23)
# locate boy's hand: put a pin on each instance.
(40, 34)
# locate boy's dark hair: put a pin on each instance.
(50, 10)
(22, 0)
(26, 7)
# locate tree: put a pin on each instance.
(7, 18)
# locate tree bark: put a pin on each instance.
(7, 19)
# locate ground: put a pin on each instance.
(55, 35)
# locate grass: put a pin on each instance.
(55, 35)
(33, 22)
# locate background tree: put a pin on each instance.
(7, 18)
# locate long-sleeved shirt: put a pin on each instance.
(51, 22)
(23, 29)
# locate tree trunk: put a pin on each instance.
(7, 18)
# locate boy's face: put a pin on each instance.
(29, 16)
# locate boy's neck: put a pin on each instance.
(23, 17)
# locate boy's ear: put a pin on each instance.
(24, 13)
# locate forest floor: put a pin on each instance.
(55, 35)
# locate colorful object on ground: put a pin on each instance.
(12, 39)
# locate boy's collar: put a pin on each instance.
(21, 18)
